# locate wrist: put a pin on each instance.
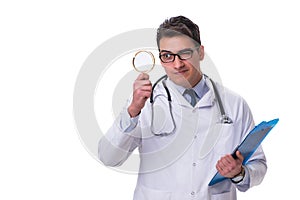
(132, 111)
(239, 177)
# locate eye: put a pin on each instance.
(186, 54)
(166, 55)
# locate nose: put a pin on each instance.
(178, 63)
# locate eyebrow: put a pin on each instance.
(166, 51)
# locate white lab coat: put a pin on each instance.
(180, 166)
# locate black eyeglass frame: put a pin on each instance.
(178, 54)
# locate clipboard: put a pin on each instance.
(249, 145)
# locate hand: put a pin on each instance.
(229, 167)
(142, 89)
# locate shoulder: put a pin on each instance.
(234, 102)
(229, 94)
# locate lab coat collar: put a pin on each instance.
(200, 88)
(207, 100)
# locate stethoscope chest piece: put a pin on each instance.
(226, 120)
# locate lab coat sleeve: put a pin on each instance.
(256, 167)
(254, 173)
(120, 141)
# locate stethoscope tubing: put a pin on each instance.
(224, 119)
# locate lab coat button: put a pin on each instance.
(194, 164)
(192, 193)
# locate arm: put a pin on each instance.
(120, 141)
(253, 172)
(255, 168)
(124, 135)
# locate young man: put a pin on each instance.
(182, 149)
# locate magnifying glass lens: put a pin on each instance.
(143, 61)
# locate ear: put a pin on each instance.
(201, 52)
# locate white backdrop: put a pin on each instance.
(43, 45)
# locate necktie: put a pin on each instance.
(192, 94)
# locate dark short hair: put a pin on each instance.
(177, 26)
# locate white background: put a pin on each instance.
(254, 45)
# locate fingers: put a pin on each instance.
(228, 167)
(225, 164)
(141, 81)
(142, 86)
(142, 89)
(143, 76)
(142, 93)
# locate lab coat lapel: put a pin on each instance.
(215, 128)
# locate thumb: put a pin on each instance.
(143, 76)
(239, 156)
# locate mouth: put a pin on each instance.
(181, 72)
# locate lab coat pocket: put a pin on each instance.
(144, 193)
(222, 190)
(222, 196)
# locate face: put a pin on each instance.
(187, 72)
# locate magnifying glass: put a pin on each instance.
(143, 61)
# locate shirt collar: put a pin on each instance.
(200, 88)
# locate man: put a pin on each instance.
(181, 152)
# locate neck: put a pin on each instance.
(195, 81)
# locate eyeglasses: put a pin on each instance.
(168, 57)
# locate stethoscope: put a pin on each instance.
(144, 62)
(224, 119)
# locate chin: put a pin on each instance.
(182, 81)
